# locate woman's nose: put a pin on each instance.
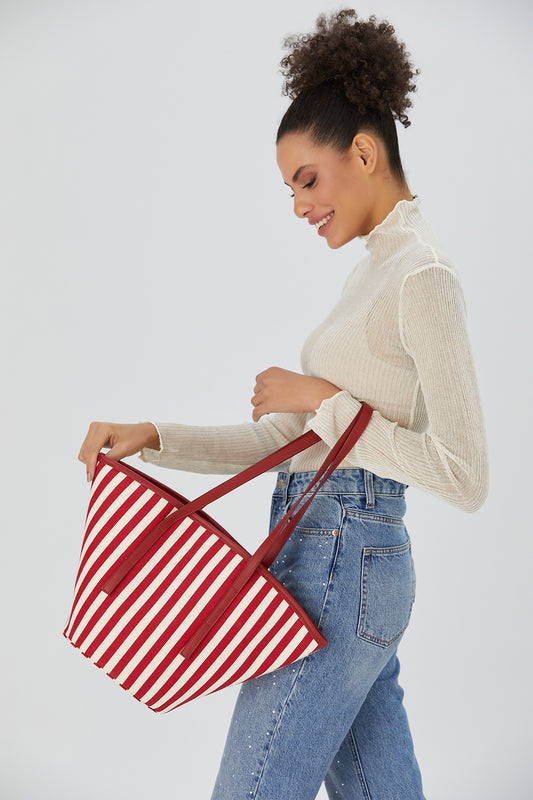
(301, 207)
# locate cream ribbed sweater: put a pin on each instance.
(397, 338)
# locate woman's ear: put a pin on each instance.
(365, 147)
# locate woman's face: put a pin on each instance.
(328, 185)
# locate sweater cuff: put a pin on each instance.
(333, 416)
(147, 453)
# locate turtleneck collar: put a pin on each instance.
(386, 236)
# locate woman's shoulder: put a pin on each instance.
(426, 271)
(424, 252)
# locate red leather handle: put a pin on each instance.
(287, 451)
(272, 545)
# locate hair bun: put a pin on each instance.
(364, 58)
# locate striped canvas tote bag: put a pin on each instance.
(168, 603)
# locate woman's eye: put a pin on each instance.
(307, 185)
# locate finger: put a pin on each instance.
(258, 412)
(97, 437)
(91, 468)
(89, 459)
(118, 451)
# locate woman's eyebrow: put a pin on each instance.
(297, 173)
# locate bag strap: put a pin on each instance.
(283, 454)
(285, 527)
(278, 457)
(269, 551)
(272, 545)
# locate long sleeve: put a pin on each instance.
(397, 339)
(222, 449)
(450, 458)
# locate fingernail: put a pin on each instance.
(89, 477)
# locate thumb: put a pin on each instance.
(118, 451)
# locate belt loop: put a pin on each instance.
(369, 488)
(282, 484)
(286, 481)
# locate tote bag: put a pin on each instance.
(168, 604)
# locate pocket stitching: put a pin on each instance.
(363, 606)
(317, 531)
(375, 517)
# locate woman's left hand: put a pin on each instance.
(279, 389)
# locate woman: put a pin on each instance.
(397, 339)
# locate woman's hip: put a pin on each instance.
(349, 561)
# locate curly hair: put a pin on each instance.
(347, 76)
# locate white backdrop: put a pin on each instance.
(152, 266)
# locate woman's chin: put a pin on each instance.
(334, 242)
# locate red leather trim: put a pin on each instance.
(269, 548)
(214, 527)
(188, 508)
(272, 545)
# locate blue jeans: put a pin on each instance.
(337, 715)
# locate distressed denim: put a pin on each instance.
(337, 715)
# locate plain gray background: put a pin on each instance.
(152, 266)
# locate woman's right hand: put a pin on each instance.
(124, 440)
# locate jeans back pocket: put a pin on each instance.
(387, 593)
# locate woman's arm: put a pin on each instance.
(450, 459)
(222, 449)
(231, 448)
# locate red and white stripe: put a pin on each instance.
(135, 634)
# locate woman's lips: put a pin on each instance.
(325, 228)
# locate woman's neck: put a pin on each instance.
(388, 195)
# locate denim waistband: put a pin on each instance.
(342, 481)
